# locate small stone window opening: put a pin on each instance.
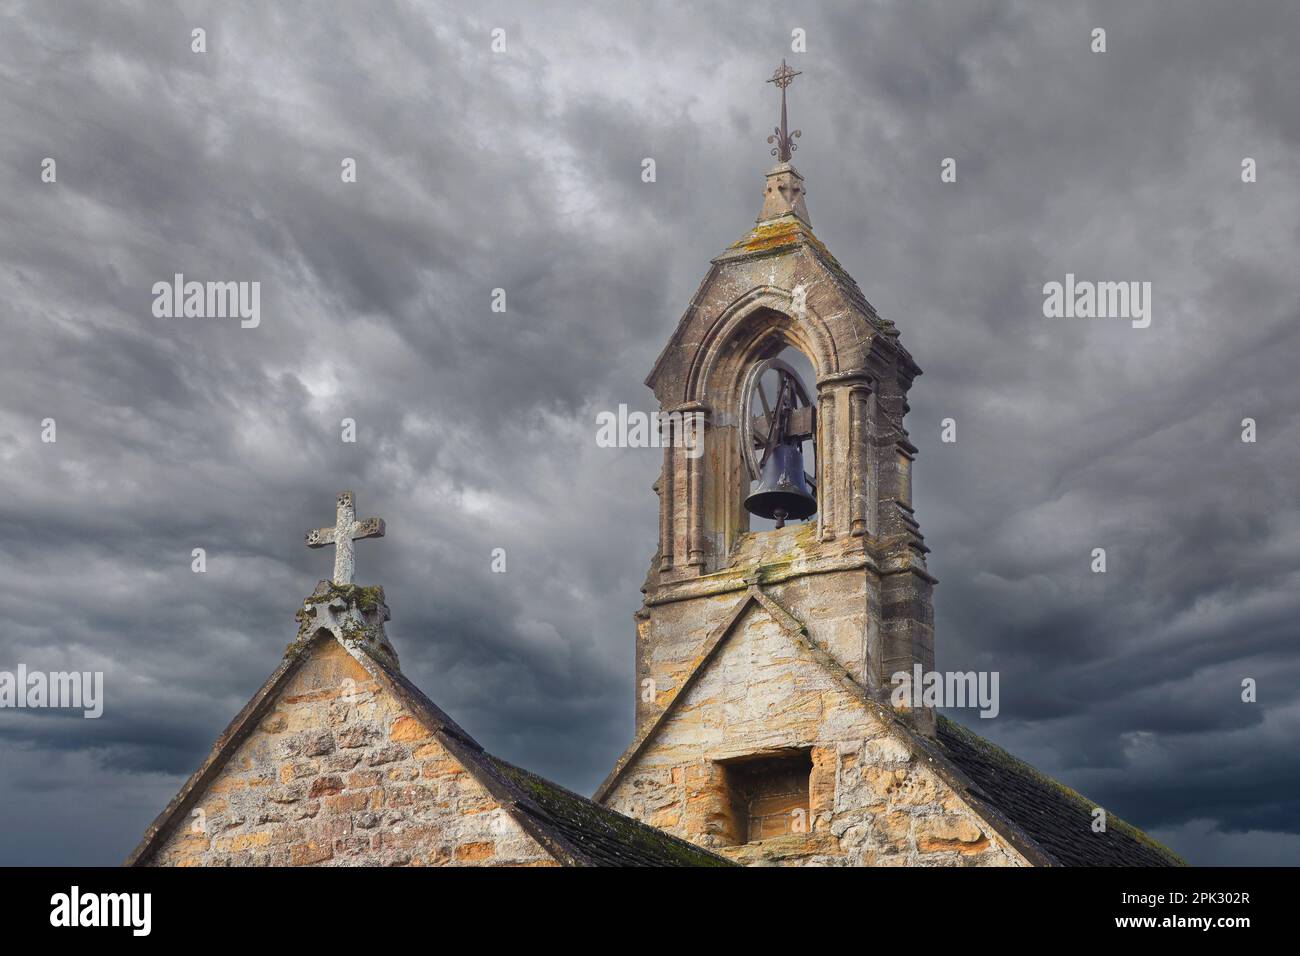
(769, 795)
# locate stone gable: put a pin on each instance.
(339, 773)
(764, 694)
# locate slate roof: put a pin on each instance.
(1058, 820)
(574, 830)
(599, 835)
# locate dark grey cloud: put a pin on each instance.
(479, 171)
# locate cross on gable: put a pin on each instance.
(346, 530)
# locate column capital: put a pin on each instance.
(857, 378)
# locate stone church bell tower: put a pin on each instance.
(853, 576)
(789, 584)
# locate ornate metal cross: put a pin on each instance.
(781, 136)
(346, 530)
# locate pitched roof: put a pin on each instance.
(1047, 823)
(1057, 819)
(574, 830)
(597, 835)
(786, 233)
(783, 235)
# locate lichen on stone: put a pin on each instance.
(353, 613)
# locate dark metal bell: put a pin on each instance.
(782, 492)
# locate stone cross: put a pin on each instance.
(346, 530)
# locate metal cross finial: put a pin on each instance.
(781, 136)
(346, 530)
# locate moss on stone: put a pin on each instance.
(366, 598)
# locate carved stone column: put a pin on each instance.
(682, 506)
(843, 454)
(665, 489)
(695, 458)
(860, 452)
(829, 466)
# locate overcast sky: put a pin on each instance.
(476, 430)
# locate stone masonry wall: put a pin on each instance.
(871, 802)
(338, 773)
(841, 609)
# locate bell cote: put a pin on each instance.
(846, 540)
(778, 288)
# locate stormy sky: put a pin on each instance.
(476, 429)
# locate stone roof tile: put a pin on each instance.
(1057, 819)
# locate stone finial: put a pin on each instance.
(355, 615)
(346, 530)
(783, 194)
